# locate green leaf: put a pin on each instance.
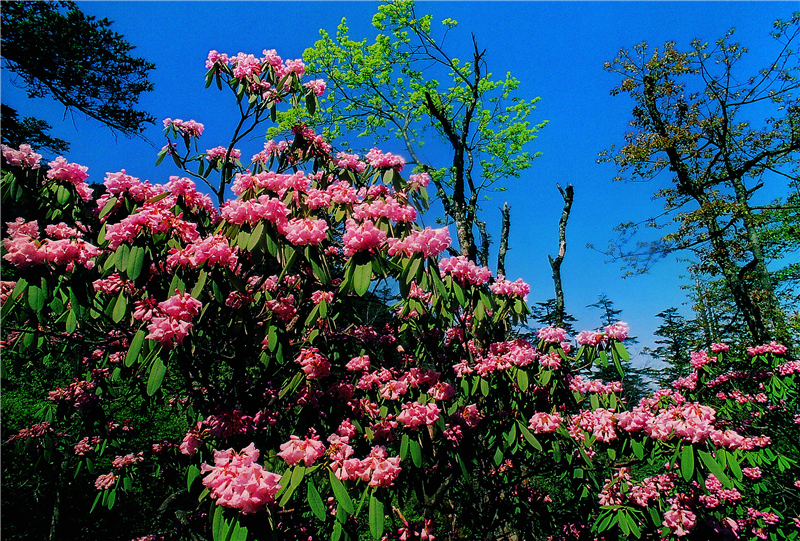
(458, 291)
(416, 452)
(376, 517)
(341, 493)
(714, 467)
(135, 262)
(191, 475)
(734, 465)
(121, 257)
(311, 103)
(62, 195)
(403, 446)
(72, 322)
(135, 347)
(638, 449)
(522, 379)
(218, 523)
(315, 501)
(484, 387)
(112, 498)
(255, 236)
(621, 351)
(239, 532)
(120, 308)
(529, 437)
(362, 277)
(201, 283)
(36, 298)
(156, 377)
(110, 204)
(687, 462)
(623, 523)
(511, 435)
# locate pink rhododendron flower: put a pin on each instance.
(237, 481)
(308, 450)
(72, 173)
(24, 157)
(420, 180)
(105, 481)
(358, 363)
(501, 286)
(428, 242)
(314, 365)
(389, 207)
(216, 58)
(130, 459)
(379, 160)
(302, 231)
(618, 331)
(544, 422)
(189, 127)
(471, 415)
(552, 335)
(679, 521)
(351, 162)
(317, 86)
(464, 270)
(218, 153)
(193, 440)
(772, 347)
(414, 414)
(362, 237)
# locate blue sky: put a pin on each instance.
(555, 49)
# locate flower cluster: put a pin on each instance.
(379, 160)
(518, 288)
(73, 173)
(187, 128)
(24, 157)
(308, 450)
(236, 480)
(24, 249)
(772, 347)
(378, 469)
(428, 242)
(464, 270)
(169, 321)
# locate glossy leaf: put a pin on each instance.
(156, 377)
(340, 492)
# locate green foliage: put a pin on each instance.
(694, 120)
(405, 84)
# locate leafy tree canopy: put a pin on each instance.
(58, 51)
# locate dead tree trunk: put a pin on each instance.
(555, 263)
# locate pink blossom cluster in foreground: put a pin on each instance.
(67, 247)
(236, 480)
(73, 173)
(169, 321)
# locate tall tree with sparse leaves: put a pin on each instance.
(694, 121)
(389, 89)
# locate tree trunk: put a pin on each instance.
(773, 311)
(505, 228)
(720, 254)
(555, 263)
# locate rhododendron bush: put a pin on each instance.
(302, 405)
